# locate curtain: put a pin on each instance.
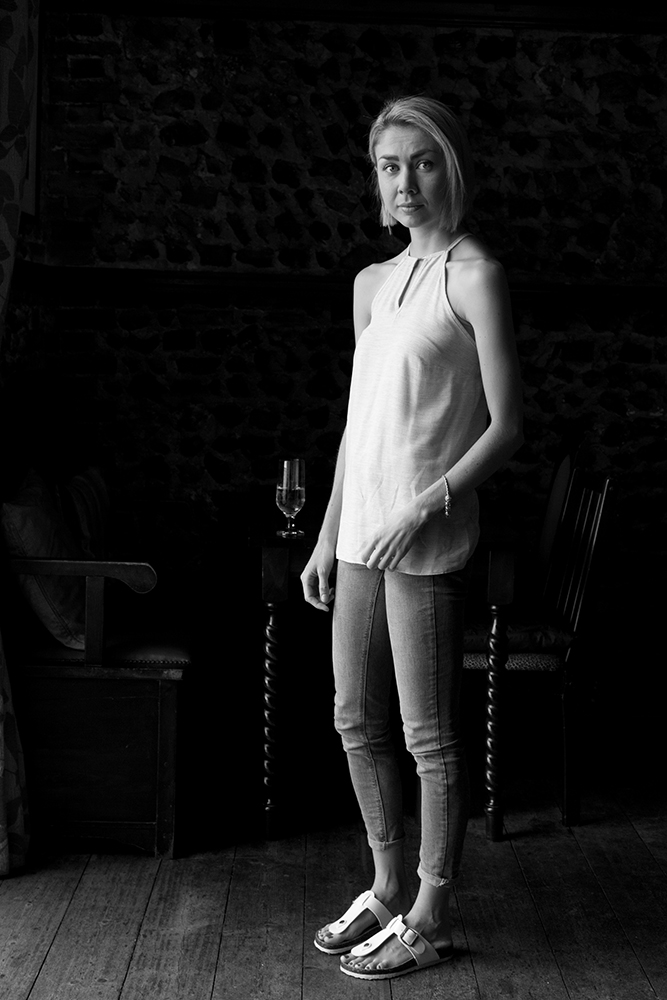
(13, 808)
(18, 81)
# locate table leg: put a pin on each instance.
(271, 635)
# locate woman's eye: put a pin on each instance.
(426, 164)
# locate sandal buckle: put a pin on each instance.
(409, 936)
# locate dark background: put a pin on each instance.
(181, 308)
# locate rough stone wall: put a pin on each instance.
(188, 394)
(185, 144)
(236, 150)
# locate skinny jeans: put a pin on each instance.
(388, 622)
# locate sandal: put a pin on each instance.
(367, 901)
(422, 953)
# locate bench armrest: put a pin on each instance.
(140, 577)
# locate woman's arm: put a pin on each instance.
(315, 577)
(483, 288)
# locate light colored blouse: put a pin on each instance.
(416, 406)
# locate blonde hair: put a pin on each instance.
(444, 128)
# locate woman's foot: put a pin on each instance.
(404, 950)
(375, 910)
(392, 954)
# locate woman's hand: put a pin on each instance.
(394, 539)
(315, 577)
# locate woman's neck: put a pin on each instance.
(424, 243)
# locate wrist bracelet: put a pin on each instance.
(448, 498)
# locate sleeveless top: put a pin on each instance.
(416, 407)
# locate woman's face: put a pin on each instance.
(411, 176)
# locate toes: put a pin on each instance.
(325, 937)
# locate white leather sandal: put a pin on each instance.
(367, 901)
(422, 954)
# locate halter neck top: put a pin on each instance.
(416, 407)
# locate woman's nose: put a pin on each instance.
(407, 182)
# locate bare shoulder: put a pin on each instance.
(472, 256)
(473, 268)
(369, 280)
(371, 277)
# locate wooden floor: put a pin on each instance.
(549, 913)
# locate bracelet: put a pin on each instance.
(448, 498)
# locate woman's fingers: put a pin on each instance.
(316, 593)
(315, 583)
(325, 591)
(387, 548)
(380, 558)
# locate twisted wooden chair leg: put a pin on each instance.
(497, 653)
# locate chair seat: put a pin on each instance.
(475, 661)
(538, 662)
(123, 650)
(537, 648)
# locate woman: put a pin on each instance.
(435, 408)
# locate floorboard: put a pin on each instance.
(507, 944)
(32, 907)
(547, 913)
(645, 805)
(633, 882)
(91, 952)
(595, 958)
(177, 950)
(261, 953)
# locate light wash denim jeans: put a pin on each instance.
(388, 622)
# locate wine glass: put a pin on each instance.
(291, 493)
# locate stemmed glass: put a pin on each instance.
(291, 493)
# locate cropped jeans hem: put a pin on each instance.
(434, 880)
(385, 845)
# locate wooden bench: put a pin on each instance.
(98, 724)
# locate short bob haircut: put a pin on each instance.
(445, 129)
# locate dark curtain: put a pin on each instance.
(18, 80)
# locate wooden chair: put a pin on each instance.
(547, 636)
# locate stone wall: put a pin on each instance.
(188, 144)
(183, 309)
